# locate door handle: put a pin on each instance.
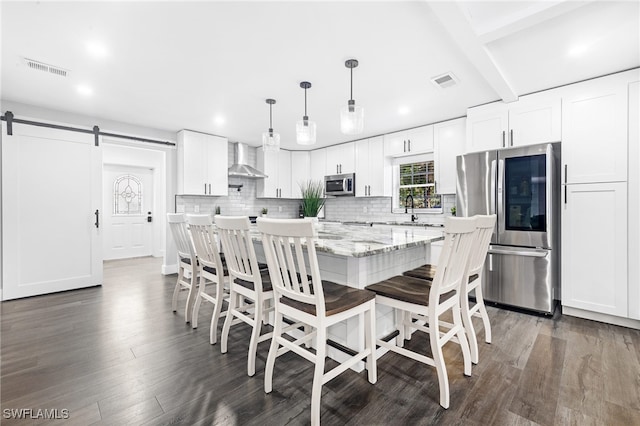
(565, 194)
(511, 137)
(525, 253)
(149, 218)
(565, 174)
(503, 135)
(97, 213)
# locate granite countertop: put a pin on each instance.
(359, 241)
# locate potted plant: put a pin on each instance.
(265, 211)
(453, 211)
(217, 210)
(312, 198)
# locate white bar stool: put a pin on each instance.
(187, 263)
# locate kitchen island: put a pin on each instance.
(358, 256)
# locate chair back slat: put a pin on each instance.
(289, 247)
(454, 259)
(180, 234)
(204, 240)
(237, 246)
(484, 228)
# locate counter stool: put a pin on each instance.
(212, 271)
(302, 296)
(484, 230)
(250, 287)
(187, 263)
(429, 300)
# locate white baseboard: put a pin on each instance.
(169, 269)
(596, 316)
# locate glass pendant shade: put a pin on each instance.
(351, 119)
(270, 141)
(306, 132)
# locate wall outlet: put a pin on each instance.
(364, 209)
(279, 209)
(196, 208)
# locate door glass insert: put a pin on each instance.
(127, 195)
(525, 193)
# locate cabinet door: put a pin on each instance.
(300, 171)
(449, 140)
(217, 165)
(192, 163)
(333, 160)
(594, 131)
(634, 200)
(363, 171)
(395, 144)
(341, 159)
(594, 248)
(379, 169)
(318, 165)
(420, 140)
(268, 163)
(487, 127)
(534, 119)
(284, 173)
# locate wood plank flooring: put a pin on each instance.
(116, 355)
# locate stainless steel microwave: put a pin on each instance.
(340, 184)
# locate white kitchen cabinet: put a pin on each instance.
(449, 142)
(373, 170)
(318, 158)
(594, 130)
(300, 171)
(341, 159)
(408, 142)
(203, 164)
(634, 200)
(594, 247)
(277, 166)
(532, 119)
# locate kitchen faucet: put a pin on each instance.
(406, 201)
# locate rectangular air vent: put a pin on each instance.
(41, 66)
(445, 80)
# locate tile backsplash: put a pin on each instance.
(245, 203)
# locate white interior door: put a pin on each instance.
(127, 202)
(51, 201)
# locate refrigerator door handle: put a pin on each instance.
(516, 252)
(493, 189)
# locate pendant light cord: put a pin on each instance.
(351, 69)
(305, 101)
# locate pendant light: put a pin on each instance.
(351, 116)
(270, 140)
(305, 129)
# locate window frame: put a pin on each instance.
(395, 201)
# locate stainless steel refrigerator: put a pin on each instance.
(520, 186)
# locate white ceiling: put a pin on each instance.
(176, 65)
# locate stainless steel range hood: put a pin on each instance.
(241, 167)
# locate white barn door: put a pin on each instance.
(51, 190)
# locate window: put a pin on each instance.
(127, 195)
(414, 179)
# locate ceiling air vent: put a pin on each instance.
(445, 80)
(41, 66)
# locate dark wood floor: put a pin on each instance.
(117, 355)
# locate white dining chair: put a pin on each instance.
(302, 296)
(187, 263)
(427, 301)
(212, 270)
(484, 229)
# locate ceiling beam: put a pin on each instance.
(455, 21)
(535, 14)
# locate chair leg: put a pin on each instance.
(191, 296)
(196, 305)
(233, 298)
(399, 319)
(462, 338)
(255, 334)
(273, 352)
(370, 342)
(468, 327)
(483, 314)
(438, 359)
(316, 390)
(176, 290)
(406, 319)
(217, 308)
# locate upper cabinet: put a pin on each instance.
(277, 166)
(318, 158)
(341, 159)
(203, 163)
(300, 171)
(373, 170)
(532, 119)
(594, 130)
(407, 142)
(449, 142)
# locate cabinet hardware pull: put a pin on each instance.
(511, 137)
(405, 146)
(565, 174)
(503, 145)
(97, 213)
(409, 145)
(565, 194)
(209, 189)
(205, 189)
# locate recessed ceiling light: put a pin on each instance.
(84, 90)
(219, 120)
(578, 50)
(403, 110)
(96, 49)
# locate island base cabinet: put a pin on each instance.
(594, 248)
